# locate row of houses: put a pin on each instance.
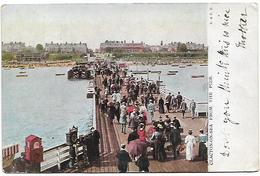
(108, 46)
(80, 48)
(18, 47)
(129, 47)
(13, 47)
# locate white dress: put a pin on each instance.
(190, 141)
(150, 109)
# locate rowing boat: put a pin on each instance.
(21, 75)
(198, 76)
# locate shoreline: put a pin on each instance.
(39, 64)
(65, 63)
(165, 61)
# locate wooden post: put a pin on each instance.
(58, 158)
(147, 75)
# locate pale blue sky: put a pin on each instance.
(95, 23)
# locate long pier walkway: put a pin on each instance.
(111, 138)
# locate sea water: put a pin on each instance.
(44, 105)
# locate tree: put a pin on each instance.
(7, 56)
(39, 47)
(182, 47)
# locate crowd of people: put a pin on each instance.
(135, 109)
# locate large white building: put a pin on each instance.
(195, 46)
(122, 46)
(173, 47)
(52, 47)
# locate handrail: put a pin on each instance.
(57, 156)
(201, 106)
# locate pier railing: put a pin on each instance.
(56, 156)
(201, 107)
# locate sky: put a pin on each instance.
(95, 23)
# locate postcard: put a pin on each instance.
(129, 88)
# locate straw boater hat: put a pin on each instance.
(141, 126)
(122, 146)
(92, 129)
(160, 126)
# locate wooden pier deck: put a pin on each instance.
(111, 138)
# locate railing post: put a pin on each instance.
(58, 158)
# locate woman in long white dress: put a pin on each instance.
(190, 141)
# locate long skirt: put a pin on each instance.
(161, 109)
(202, 151)
(189, 151)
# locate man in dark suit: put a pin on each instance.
(175, 139)
(176, 122)
(95, 138)
(123, 159)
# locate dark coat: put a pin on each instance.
(111, 112)
(143, 162)
(123, 159)
(175, 137)
(161, 106)
(177, 123)
(179, 98)
(88, 141)
(96, 137)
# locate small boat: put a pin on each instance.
(155, 71)
(171, 73)
(175, 65)
(198, 76)
(80, 72)
(60, 74)
(204, 65)
(189, 65)
(21, 75)
(22, 72)
(182, 66)
(139, 72)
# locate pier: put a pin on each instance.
(111, 138)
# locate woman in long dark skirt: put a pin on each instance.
(143, 163)
(111, 112)
(161, 106)
(117, 111)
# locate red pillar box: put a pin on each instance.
(33, 149)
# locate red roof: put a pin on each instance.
(31, 138)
